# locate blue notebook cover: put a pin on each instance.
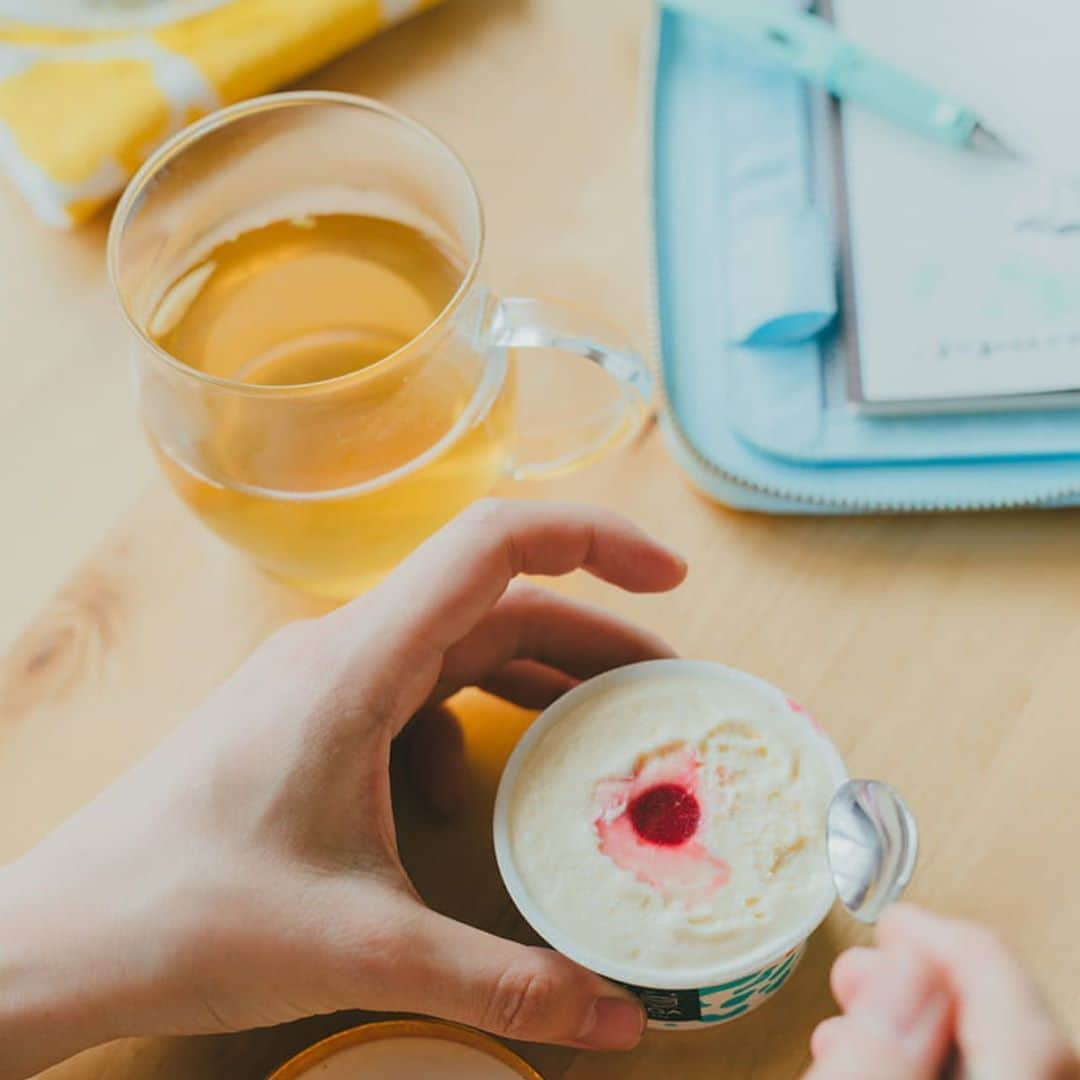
(746, 272)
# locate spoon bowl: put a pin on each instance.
(872, 843)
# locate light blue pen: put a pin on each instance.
(813, 48)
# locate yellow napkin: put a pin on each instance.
(89, 87)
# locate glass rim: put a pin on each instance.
(182, 140)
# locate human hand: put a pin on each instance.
(932, 987)
(247, 872)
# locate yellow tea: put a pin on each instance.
(333, 477)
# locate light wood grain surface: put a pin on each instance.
(942, 653)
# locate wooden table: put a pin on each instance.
(942, 653)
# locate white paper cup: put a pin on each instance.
(690, 999)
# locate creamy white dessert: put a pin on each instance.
(412, 1058)
(676, 821)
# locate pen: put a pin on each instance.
(813, 48)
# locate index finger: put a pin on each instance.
(443, 589)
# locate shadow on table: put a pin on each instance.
(996, 537)
(1027, 556)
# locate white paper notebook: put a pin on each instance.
(965, 267)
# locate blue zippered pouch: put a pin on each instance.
(745, 279)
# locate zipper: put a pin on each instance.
(846, 506)
(670, 422)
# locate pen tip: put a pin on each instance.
(983, 138)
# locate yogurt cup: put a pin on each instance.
(407, 1050)
(712, 992)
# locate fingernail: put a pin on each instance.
(613, 1024)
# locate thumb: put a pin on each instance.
(534, 994)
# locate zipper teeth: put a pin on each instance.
(859, 506)
(846, 505)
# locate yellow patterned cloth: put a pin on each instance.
(89, 87)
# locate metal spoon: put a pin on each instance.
(872, 841)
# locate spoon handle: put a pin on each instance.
(954, 1067)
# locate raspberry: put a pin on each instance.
(666, 815)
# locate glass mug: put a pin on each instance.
(322, 376)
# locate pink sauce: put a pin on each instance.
(802, 710)
(648, 824)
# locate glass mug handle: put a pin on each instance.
(522, 323)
